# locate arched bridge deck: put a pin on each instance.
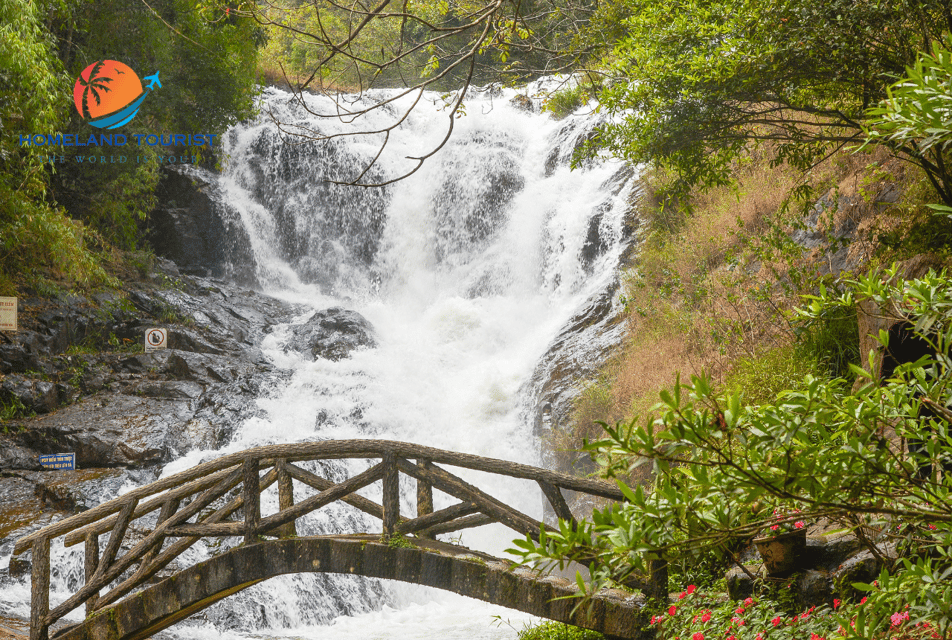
(222, 498)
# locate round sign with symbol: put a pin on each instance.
(155, 339)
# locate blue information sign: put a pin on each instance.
(66, 461)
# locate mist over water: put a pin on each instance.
(467, 271)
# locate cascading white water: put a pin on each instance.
(467, 271)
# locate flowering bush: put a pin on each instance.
(784, 522)
(709, 616)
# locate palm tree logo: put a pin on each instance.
(95, 84)
(108, 93)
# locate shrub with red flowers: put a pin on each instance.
(711, 616)
(820, 449)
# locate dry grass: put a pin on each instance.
(711, 290)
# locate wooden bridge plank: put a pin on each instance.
(438, 565)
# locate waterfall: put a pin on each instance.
(469, 271)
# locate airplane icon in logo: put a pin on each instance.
(153, 80)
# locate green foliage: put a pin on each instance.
(697, 82)
(558, 631)
(831, 337)
(564, 102)
(399, 541)
(761, 377)
(916, 115)
(721, 466)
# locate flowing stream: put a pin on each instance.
(468, 271)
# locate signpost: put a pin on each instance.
(156, 339)
(8, 314)
(59, 461)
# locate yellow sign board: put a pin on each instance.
(8, 314)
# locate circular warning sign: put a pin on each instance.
(155, 339)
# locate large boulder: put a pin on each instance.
(333, 334)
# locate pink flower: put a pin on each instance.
(898, 618)
(814, 636)
(836, 602)
(759, 637)
(691, 589)
(776, 621)
(731, 638)
(698, 636)
(863, 601)
(671, 610)
(682, 596)
(748, 602)
(706, 616)
(654, 619)
(774, 527)
(798, 524)
(739, 610)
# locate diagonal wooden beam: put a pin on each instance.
(323, 484)
(455, 486)
(554, 495)
(107, 523)
(115, 540)
(336, 492)
(469, 522)
(438, 517)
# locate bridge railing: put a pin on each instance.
(202, 501)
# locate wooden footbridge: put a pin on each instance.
(153, 525)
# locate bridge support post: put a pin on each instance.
(40, 591)
(424, 496)
(285, 498)
(252, 499)
(391, 495)
(91, 562)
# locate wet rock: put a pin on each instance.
(739, 584)
(333, 334)
(863, 567)
(37, 396)
(190, 227)
(813, 588)
(23, 354)
(522, 102)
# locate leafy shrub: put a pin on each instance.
(558, 631)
